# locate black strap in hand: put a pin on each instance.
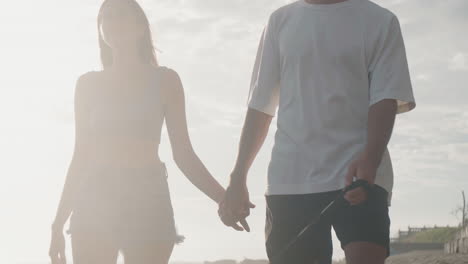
(356, 184)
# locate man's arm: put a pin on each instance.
(236, 204)
(263, 102)
(253, 136)
(390, 92)
(381, 119)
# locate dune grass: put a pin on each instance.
(438, 235)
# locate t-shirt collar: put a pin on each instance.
(326, 6)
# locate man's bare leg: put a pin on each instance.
(365, 253)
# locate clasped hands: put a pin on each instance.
(235, 207)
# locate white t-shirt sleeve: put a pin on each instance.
(389, 75)
(264, 86)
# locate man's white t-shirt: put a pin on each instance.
(323, 66)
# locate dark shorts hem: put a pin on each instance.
(286, 215)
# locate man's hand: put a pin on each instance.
(364, 168)
(380, 123)
(235, 207)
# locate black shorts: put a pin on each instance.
(287, 215)
(130, 206)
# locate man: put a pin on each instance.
(338, 74)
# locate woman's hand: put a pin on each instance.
(235, 207)
(57, 246)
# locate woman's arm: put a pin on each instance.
(79, 158)
(183, 153)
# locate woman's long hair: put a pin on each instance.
(146, 47)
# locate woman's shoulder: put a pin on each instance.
(169, 77)
(86, 83)
(166, 72)
(89, 77)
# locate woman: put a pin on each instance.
(116, 185)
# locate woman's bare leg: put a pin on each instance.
(92, 248)
(151, 253)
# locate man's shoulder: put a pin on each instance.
(375, 11)
(283, 11)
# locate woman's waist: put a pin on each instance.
(124, 182)
(118, 142)
(113, 168)
(123, 164)
(124, 156)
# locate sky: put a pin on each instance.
(47, 44)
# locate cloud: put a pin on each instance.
(203, 38)
(459, 62)
(436, 47)
(430, 144)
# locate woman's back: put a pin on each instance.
(125, 113)
(116, 189)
